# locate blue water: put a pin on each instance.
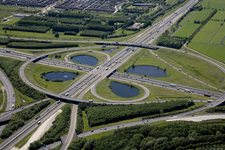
(151, 71)
(124, 90)
(109, 50)
(60, 75)
(85, 59)
(176, 31)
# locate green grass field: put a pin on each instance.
(207, 32)
(11, 21)
(219, 15)
(144, 57)
(19, 9)
(4, 15)
(155, 93)
(194, 66)
(217, 4)
(217, 39)
(125, 32)
(188, 25)
(187, 30)
(33, 72)
(171, 2)
(215, 51)
(188, 17)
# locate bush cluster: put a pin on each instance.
(80, 122)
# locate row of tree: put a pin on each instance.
(172, 136)
(22, 116)
(94, 33)
(37, 45)
(80, 122)
(39, 29)
(69, 14)
(106, 114)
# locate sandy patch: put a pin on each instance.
(199, 118)
(40, 131)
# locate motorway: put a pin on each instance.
(10, 94)
(96, 75)
(134, 78)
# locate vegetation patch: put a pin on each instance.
(144, 57)
(11, 67)
(80, 122)
(191, 65)
(104, 114)
(34, 72)
(215, 51)
(167, 136)
(59, 128)
(21, 117)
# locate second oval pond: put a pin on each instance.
(124, 90)
(60, 75)
(151, 71)
(85, 59)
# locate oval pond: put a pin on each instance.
(109, 50)
(85, 59)
(61, 75)
(124, 90)
(151, 71)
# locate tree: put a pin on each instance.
(56, 34)
(89, 145)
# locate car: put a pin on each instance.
(39, 122)
(13, 105)
(97, 67)
(107, 68)
(91, 130)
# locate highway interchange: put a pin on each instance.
(94, 76)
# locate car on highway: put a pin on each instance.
(107, 68)
(97, 67)
(39, 122)
(66, 94)
(13, 105)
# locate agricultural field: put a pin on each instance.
(217, 4)
(188, 25)
(213, 31)
(206, 34)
